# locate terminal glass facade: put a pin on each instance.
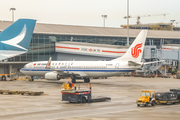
(43, 46)
(97, 40)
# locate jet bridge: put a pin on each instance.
(169, 57)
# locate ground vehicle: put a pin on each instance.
(166, 97)
(147, 97)
(72, 94)
(11, 76)
(4, 77)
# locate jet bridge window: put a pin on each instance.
(153, 52)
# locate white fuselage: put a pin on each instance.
(129, 62)
(83, 68)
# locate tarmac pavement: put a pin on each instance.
(124, 91)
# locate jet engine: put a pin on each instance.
(52, 76)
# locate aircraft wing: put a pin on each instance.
(48, 66)
(79, 74)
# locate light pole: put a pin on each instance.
(172, 22)
(127, 22)
(12, 13)
(104, 17)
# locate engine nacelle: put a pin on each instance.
(52, 76)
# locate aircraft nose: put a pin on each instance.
(21, 70)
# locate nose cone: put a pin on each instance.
(21, 70)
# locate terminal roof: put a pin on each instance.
(58, 29)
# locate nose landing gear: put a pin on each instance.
(32, 78)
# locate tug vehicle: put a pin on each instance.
(11, 76)
(78, 95)
(146, 98)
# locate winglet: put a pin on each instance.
(48, 66)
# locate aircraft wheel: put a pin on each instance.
(153, 103)
(32, 79)
(73, 80)
(58, 77)
(83, 100)
(86, 80)
(3, 78)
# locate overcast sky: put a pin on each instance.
(88, 12)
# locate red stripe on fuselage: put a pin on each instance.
(112, 51)
(67, 47)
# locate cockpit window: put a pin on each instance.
(29, 65)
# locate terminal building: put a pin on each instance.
(68, 42)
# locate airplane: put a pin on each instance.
(15, 39)
(55, 70)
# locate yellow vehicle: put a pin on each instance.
(147, 97)
(68, 86)
(4, 77)
(11, 76)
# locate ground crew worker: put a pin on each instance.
(173, 71)
(90, 86)
(70, 84)
(75, 87)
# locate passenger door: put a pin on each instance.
(68, 66)
(117, 67)
(31, 67)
